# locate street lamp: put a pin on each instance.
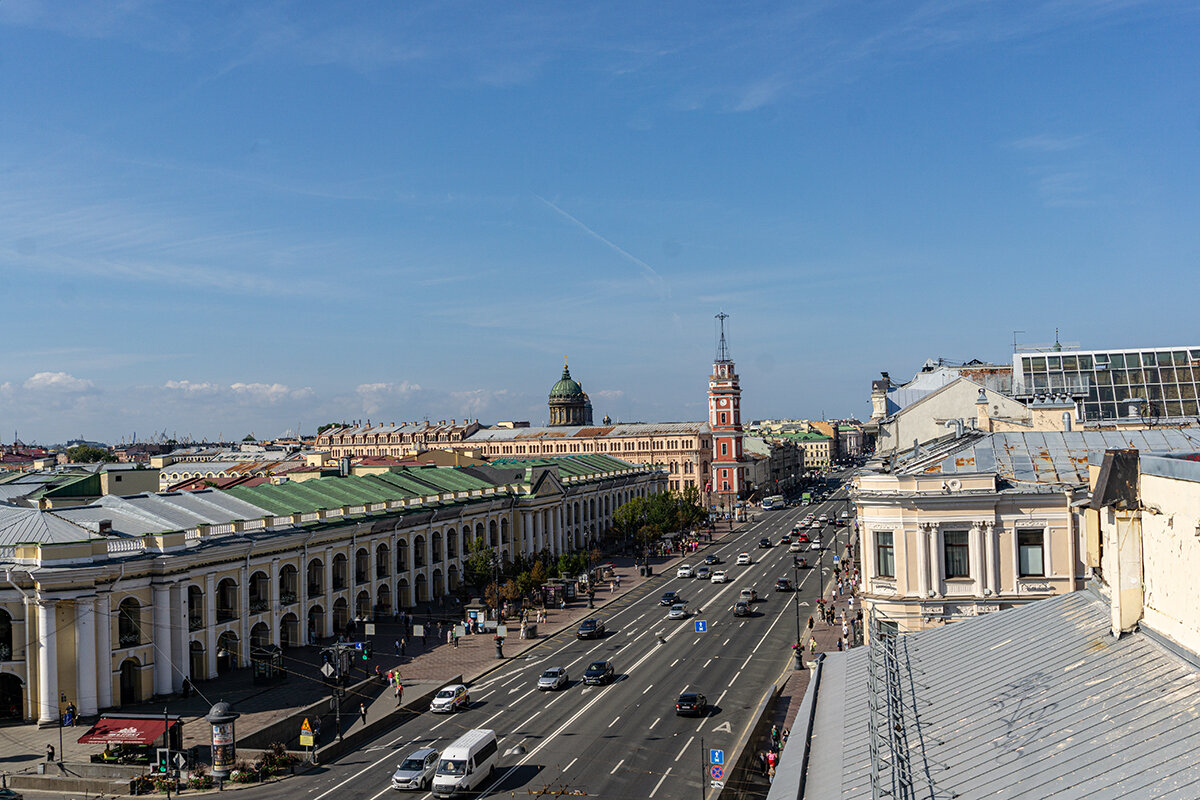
(799, 651)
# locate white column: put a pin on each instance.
(526, 532)
(243, 650)
(327, 598)
(103, 662)
(993, 561)
(935, 561)
(181, 651)
(210, 627)
(47, 661)
(371, 557)
(85, 653)
(975, 554)
(922, 562)
(538, 521)
(161, 631)
(275, 601)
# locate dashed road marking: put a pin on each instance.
(617, 767)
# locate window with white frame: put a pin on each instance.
(885, 556)
(956, 554)
(1031, 562)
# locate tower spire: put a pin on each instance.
(722, 348)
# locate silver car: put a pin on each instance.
(416, 771)
(553, 678)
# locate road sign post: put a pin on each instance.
(701, 626)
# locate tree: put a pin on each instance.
(329, 425)
(478, 569)
(86, 454)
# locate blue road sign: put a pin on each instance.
(358, 645)
(716, 756)
(835, 559)
(701, 626)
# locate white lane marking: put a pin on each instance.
(568, 766)
(747, 661)
(724, 643)
(510, 680)
(648, 688)
(614, 722)
(652, 724)
(735, 677)
(617, 767)
(706, 663)
(526, 722)
(673, 663)
(660, 782)
(778, 617)
(685, 747)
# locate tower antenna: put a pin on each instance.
(722, 348)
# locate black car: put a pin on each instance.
(764, 543)
(691, 703)
(783, 585)
(590, 628)
(712, 559)
(668, 599)
(599, 672)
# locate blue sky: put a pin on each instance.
(218, 218)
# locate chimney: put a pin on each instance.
(983, 420)
(105, 527)
(344, 466)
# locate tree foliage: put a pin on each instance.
(329, 425)
(478, 569)
(86, 454)
(645, 519)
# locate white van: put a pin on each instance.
(466, 763)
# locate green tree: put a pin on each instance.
(329, 425)
(86, 454)
(478, 569)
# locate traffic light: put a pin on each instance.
(163, 765)
(366, 651)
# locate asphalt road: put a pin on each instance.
(622, 740)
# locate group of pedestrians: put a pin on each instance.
(769, 758)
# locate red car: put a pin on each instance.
(802, 538)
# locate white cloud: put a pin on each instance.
(1048, 143)
(475, 401)
(192, 387)
(58, 382)
(608, 394)
(376, 396)
(270, 393)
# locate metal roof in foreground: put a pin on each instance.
(1038, 701)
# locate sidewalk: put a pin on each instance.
(424, 668)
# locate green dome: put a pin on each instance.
(566, 386)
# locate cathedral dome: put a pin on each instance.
(566, 386)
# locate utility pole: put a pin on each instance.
(796, 602)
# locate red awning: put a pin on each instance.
(122, 730)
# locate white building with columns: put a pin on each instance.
(117, 602)
(978, 522)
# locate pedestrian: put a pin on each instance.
(49, 752)
(399, 694)
(618, 581)
(786, 733)
(810, 623)
(771, 761)
(775, 737)
(424, 635)
(839, 645)
(454, 637)
(362, 712)
(317, 731)
(403, 645)
(812, 646)
(762, 758)
(398, 653)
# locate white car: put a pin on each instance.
(451, 699)
(553, 679)
(684, 571)
(743, 559)
(719, 576)
(795, 547)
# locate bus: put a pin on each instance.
(774, 501)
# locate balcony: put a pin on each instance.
(130, 639)
(195, 622)
(287, 598)
(259, 605)
(226, 613)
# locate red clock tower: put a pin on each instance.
(725, 419)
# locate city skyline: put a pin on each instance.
(244, 219)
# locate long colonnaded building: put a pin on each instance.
(116, 602)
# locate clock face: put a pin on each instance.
(724, 402)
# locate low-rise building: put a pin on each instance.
(119, 601)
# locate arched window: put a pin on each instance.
(129, 622)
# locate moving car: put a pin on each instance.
(668, 599)
(469, 761)
(703, 573)
(598, 673)
(783, 585)
(678, 611)
(743, 559)
(590, 628)
(795, 547)
(803, 537)
(748, 594)
(684, 571)
(764, 543)
(451, 699)
(711, 559)
(785, 539)
(553, 678)
(719, 576)
(741, 609)
(416, 771)
(692, 704)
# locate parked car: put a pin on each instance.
(783, 585)
(678, 611)
(692, 704)
(414, 772)
(451, 699)
(598, 673)
(684, 571)
(719, 576)
(743, 559)
(590, 628)
(741, 609)
(668, 599)
(553, 678)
